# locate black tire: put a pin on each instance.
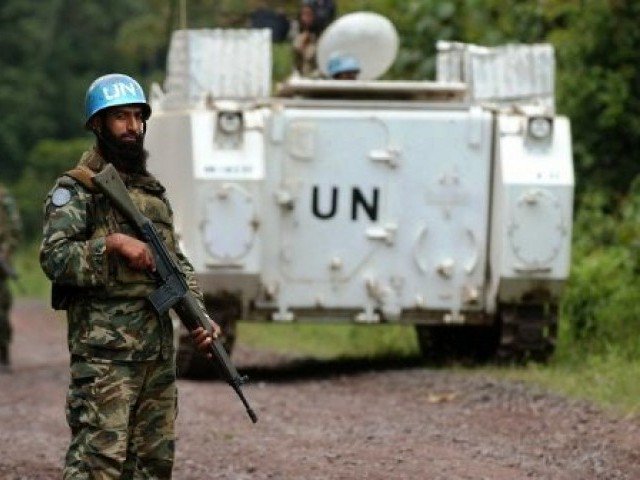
(527, 332)
(225, 310)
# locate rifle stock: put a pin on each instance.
(173, 291)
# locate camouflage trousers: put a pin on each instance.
(5, 307)
(121, 417)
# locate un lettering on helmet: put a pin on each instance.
(118, 90)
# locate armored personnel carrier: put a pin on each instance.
(442, 204)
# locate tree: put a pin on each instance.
(599, 88)
(47, 161)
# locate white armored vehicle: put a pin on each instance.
(442, 204)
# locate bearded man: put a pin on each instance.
(122, 398)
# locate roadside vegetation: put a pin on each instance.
(45, 50)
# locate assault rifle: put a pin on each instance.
(6, 270)
(173, 291)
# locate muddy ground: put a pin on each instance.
(388, 419)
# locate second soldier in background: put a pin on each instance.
(10, 235)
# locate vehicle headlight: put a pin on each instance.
(230, 122)
(540, 127)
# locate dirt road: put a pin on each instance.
(389, 419)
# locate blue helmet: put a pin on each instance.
(111, 91)
(341, 64)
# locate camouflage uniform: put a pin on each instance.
(10, 235)
(121, 403)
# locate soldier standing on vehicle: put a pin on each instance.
(121, 402)
(305, 44)
(10, 235)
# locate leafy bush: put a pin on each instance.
(602, 302)
(46, 162)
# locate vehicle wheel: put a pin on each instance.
(527, 332)
(225, 310)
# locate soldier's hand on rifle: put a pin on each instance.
(203, 339)
(135, 251)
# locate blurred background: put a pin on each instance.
(51, 50)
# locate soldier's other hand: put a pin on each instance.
(137, 253)
(203, 338)
(215, 328)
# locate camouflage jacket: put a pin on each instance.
(109, 316)
(10, 224)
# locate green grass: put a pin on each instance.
(607, 380)
(32, 281)
(330, 341)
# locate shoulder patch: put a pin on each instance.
(60, 196)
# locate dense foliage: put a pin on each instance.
(51, 50)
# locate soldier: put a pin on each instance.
(10, 235)
(305, 44)
(343, 67)
(121, 402)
